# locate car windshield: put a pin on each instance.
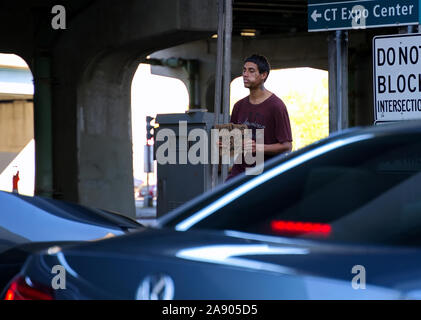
(360, 192)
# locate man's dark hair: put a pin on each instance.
(261, 62)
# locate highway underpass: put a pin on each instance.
(83, 73)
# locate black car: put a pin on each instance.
(28, 224)
(340, 219)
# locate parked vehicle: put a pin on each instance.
(144, 191)
(319, 223)
(28, 224)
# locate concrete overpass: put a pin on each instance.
(82, 77)
(83, 73)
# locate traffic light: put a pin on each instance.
(149, 128)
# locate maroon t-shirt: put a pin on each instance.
(270, 115)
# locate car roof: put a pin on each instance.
(393, 128)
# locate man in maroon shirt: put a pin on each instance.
(262, 109)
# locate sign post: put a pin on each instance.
(397, 77)
(338, 16)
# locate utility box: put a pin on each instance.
(182, 181)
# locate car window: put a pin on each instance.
(362, 192)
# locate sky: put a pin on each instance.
(19, 81)
(151, 95)
(12, 60)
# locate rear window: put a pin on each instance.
(364, 192)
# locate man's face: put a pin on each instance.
(252, 78)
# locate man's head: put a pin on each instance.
(255, 71)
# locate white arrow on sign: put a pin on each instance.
(315, 15)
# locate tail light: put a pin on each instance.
(23, 289)
(293, 227)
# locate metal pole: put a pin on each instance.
(218, 78)
(344, 72)
(339, 79)
(227, 60)
(332, 82)
(412, 29)
(43, 127)
(341, 72)
(227, 71)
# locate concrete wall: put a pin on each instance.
(16, 128)
(16, 125)
(92, 64)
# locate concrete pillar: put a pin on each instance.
(104, 135)
(93, 66)
(338, 80)
(43, 126)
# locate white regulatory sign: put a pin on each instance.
(397, 77)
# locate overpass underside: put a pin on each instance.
(82, 77)
(83, 74)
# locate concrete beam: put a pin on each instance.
(93, 62)
(301, 50)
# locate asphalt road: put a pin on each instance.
(145, 215)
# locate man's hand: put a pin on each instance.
(221, 145)
(251, 146)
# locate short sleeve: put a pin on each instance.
(282, 124)
(234, 114)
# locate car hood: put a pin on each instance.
(232, 265)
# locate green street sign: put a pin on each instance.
(326, 15)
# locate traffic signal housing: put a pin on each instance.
(149, 128)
